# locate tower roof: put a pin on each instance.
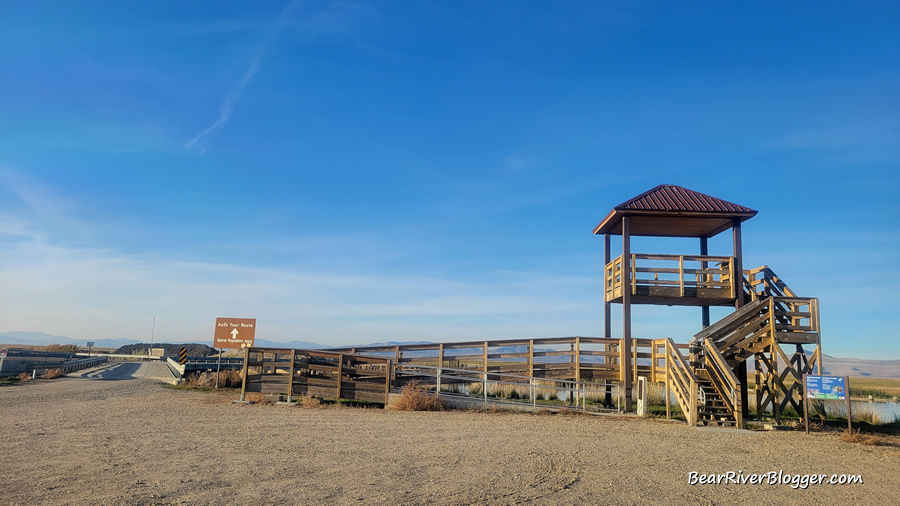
(673, 211)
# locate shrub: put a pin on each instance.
(53, 374)
(227, 379)
(413, 397)
(865, 439)
(24, 376)
(308, 401)
(64, 348)
(257, 398)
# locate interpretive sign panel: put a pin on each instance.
(234, 332)
(825, 387)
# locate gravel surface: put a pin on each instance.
(135, 441)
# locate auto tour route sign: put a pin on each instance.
(234, 332)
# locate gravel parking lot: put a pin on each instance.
(135, 441)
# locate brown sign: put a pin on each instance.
(234, 332)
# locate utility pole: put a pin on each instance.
(152, 331)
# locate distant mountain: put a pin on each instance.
(42, 339)
(307, 345)
(300, 345)
(886, 369)
(169, 350)
(389, 343)
(858, 367)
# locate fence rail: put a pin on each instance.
(323, 374)
(556, 358)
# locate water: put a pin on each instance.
(884, 411)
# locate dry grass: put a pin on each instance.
(53, 374)
(258, 398)
(24, 376)
(227, 379)
(308, 401)
(413, 397)
(866, 439)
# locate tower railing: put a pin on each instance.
(701, 276)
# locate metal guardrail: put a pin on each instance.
(120, 356)
(71, 366)
(202, 364)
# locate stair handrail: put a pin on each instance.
(680, 376)
(724, 380)
(726, 326)
(772, 284)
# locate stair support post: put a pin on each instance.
(626, 310)
(738, 282)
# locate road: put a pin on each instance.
(117, 371)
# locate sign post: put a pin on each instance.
(233, 333)
(90, 344)
(826, 388)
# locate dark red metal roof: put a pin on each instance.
(669, 197)
(673, 211)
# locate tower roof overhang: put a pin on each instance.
(673, 211)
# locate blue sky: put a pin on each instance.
(351, 172)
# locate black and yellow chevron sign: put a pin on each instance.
(182, 356)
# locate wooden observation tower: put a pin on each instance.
(710, 385)
(767, 313)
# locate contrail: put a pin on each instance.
(232, 97)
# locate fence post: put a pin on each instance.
(387, 382)
(340, 376)
(290, 393)
(533, 394)
(437, 389)
(484, 387)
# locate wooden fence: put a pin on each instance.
(560, 358)
(330, 375)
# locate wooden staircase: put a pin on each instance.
(772, 316)
(712, 408)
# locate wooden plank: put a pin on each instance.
(563, 353)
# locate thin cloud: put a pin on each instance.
(232, 98)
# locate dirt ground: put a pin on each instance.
(134, 441)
